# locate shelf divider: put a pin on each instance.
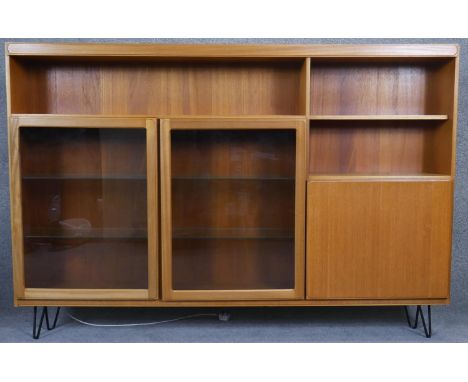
(378, 177)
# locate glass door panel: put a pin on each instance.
(233, 204)
(84, 208)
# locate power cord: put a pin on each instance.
(221, 316)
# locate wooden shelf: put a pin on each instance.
(379, 177)
(376, 117)
(91, 233)
(84, 177)
(50, 118)
(234, 178)
(233, 233)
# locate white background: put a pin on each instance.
(228, 362)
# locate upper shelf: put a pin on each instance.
(376, 117)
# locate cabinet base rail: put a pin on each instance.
(44, 315)
(419, 312)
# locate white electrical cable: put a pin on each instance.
(142, 323)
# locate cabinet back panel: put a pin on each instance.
(377, 147)
(158, 88)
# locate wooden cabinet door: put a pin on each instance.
(233, 209)
(84, 196)
(378, 239)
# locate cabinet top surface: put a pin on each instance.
(230, 50)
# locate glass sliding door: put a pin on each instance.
(85, 209)
(232, 211)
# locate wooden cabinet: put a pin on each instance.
(240, 175)
(378, 239)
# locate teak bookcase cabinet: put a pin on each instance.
(235, 175)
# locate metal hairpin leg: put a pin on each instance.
(419, 312)
(44, 314)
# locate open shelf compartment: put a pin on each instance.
(401, 148)
(158, 87)
(382, 87)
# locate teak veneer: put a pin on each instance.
(231, 175)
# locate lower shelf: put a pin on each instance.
(86, 263)
(233, 264)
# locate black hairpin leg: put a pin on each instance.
(419, 312)
(44, 315)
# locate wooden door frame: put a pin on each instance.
(48, 121)
(297, 124)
